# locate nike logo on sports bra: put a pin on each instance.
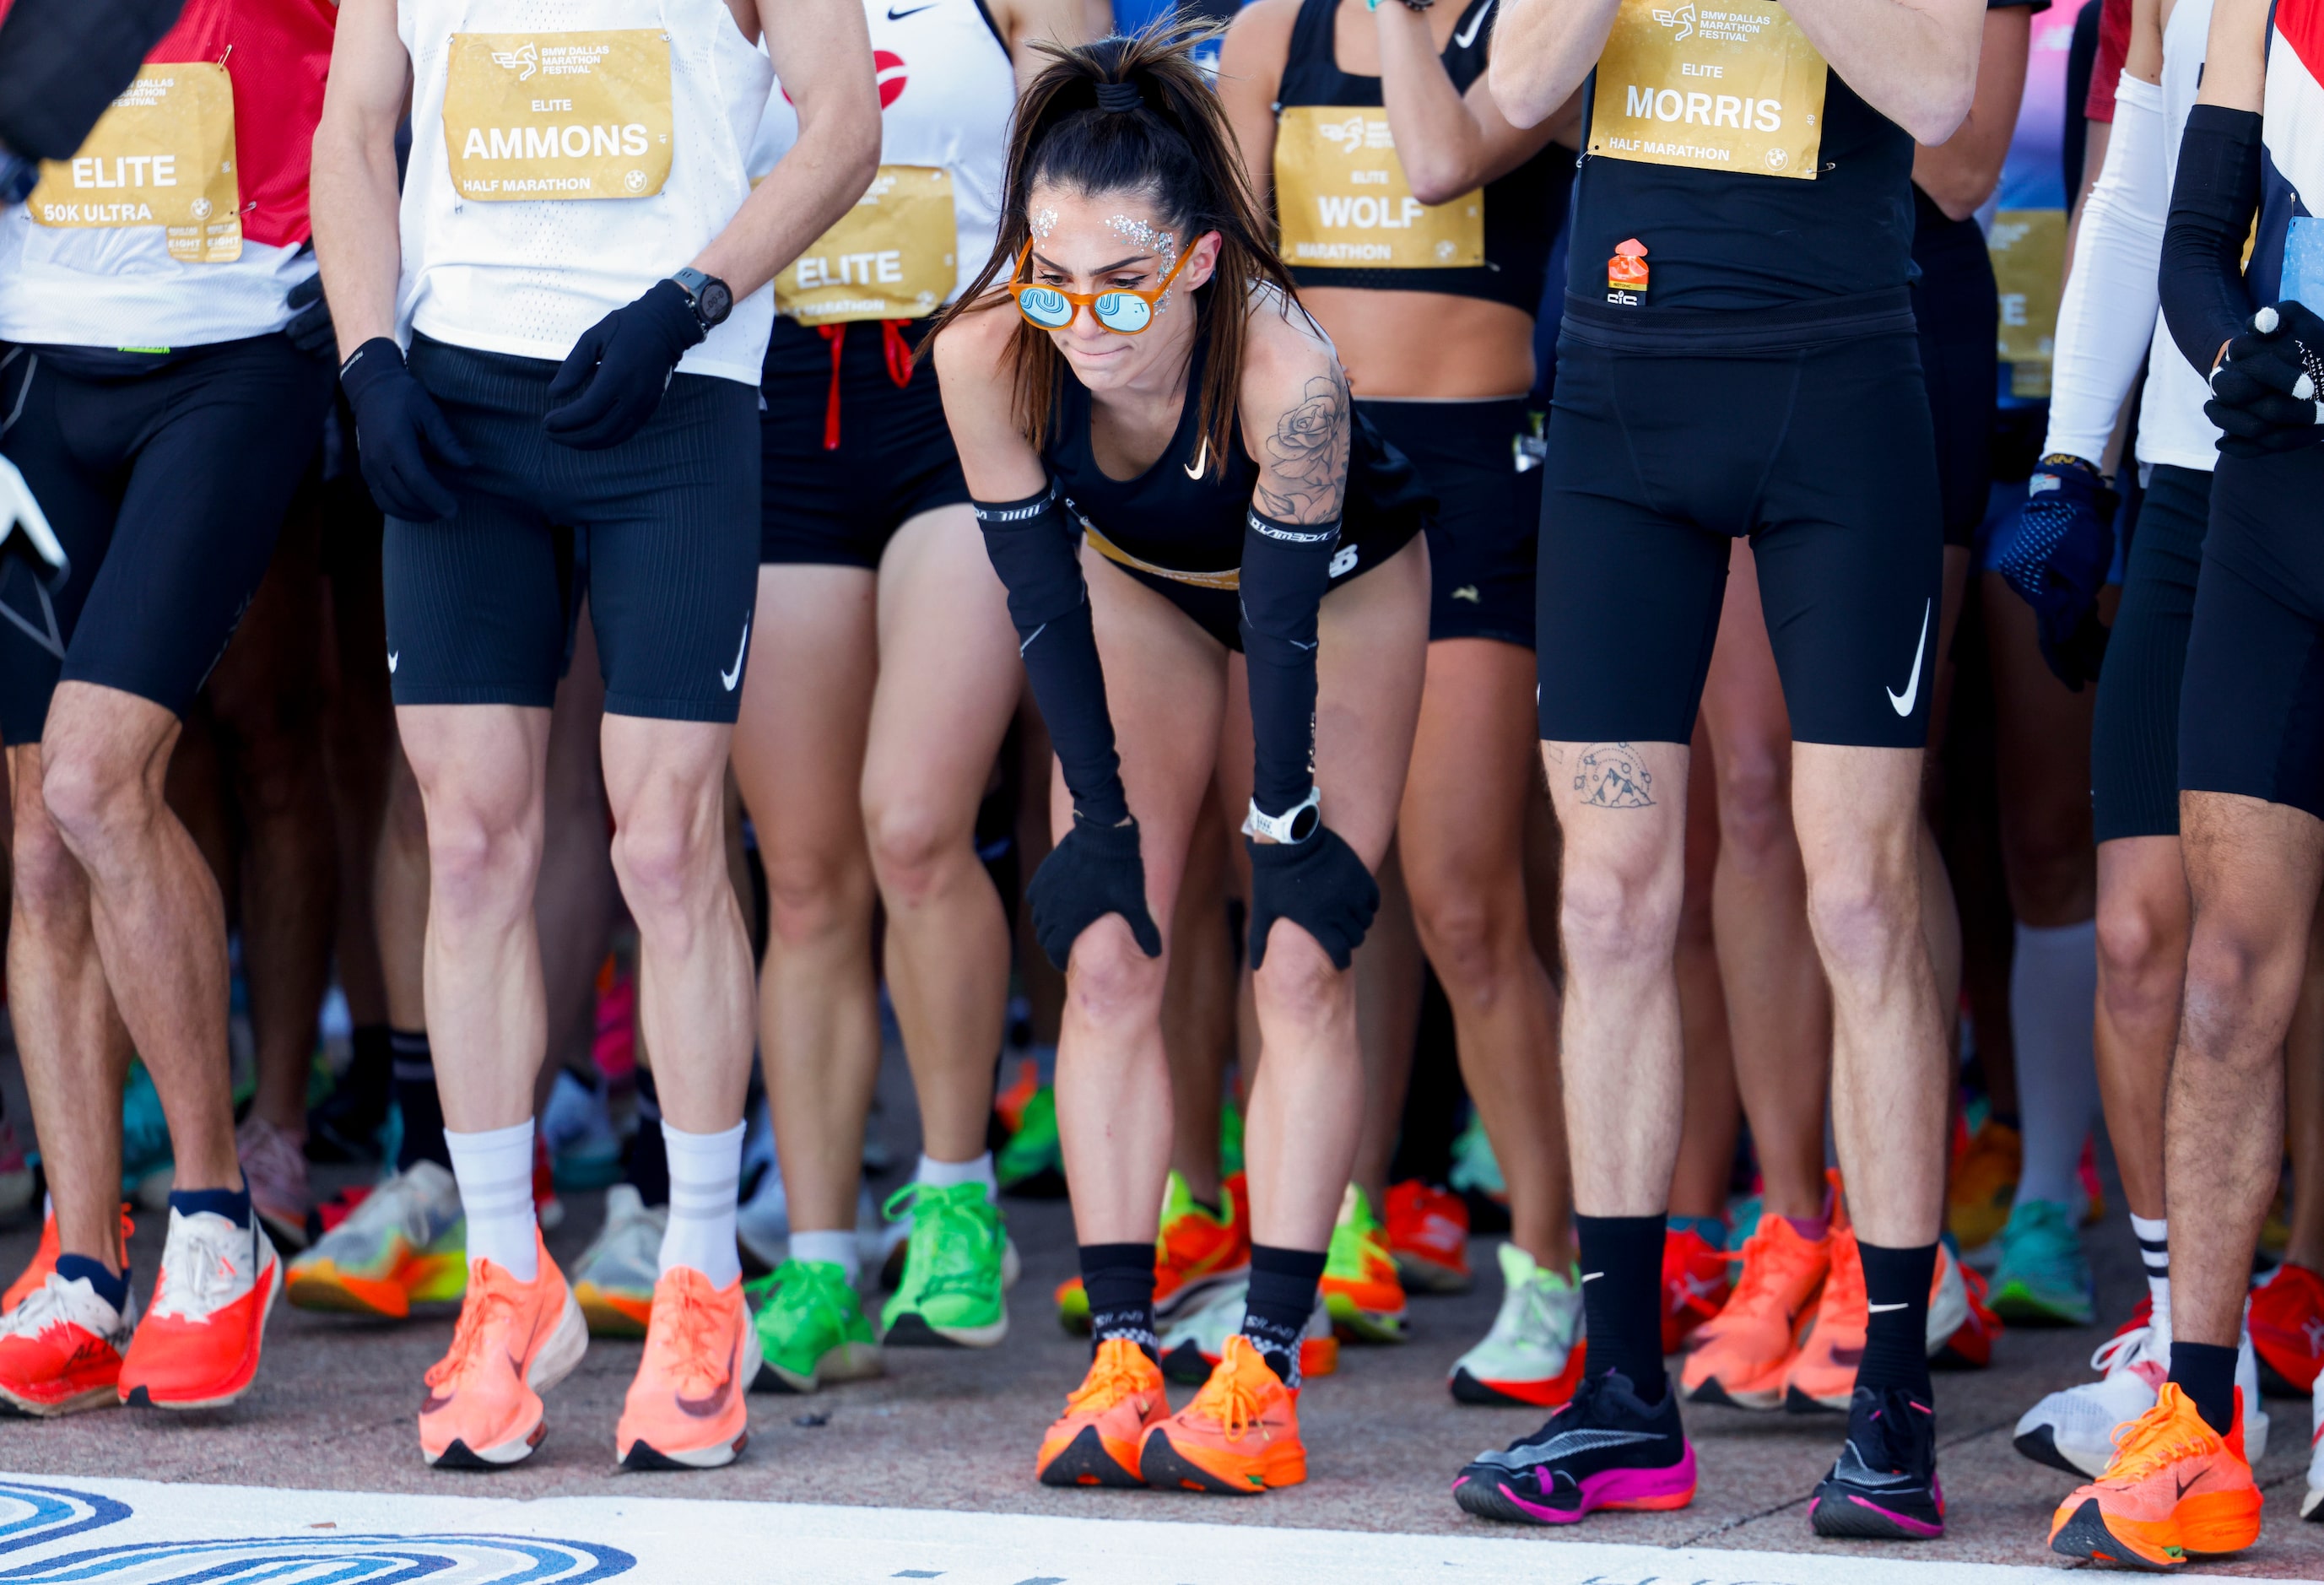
(1467, 35)
(1903, 703)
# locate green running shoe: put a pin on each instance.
(2044, 1278)
(1033, 1161)
(812, 1328)
(1231, 1160)
(956, 1270)
(1361, 1286)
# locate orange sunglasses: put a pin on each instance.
(1124, 310)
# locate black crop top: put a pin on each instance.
(1522, 210)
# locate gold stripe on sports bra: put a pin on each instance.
(1230, 579)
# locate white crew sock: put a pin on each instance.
(2052, 987)
(2154, 1249)
(838, 1249)
(943, 1174)
(706, 1173)
(495, 1173)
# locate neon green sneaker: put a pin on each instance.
(2044, 1278)
(956, 1270)
(1361, 1286)
(812, 1328)
(1034, 1151)
(1231, 1160)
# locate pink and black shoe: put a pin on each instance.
(1884, 1486)
(1603, 1449)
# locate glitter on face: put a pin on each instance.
(1140, 234)
(1044, 221)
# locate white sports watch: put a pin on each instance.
(1295, 825)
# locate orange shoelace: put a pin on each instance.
(1233, 1400)
(685, 1335)
(2166, 1434)
(488, 1302)
(1114, 1374)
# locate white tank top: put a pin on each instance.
(2172, 428)
(946, 95)
(541, 109)
(121, 286)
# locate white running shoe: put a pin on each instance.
(1194, 1343)
(2255, 1418)
(2073, 1429)
(2313, 1505)
(1532, 1355)
(763, 1223)
(1949, 1303)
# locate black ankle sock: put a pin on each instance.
(112, 1287)
(1896, 1331)
(1282, 1298)
(1622, 1297)
(648, 1171)
(1119, 1279)
(416, 1098)
(2206, 1372)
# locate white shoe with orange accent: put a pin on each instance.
(686, 1408)
(515, 1340)
(61, 1348)
(197, 1347)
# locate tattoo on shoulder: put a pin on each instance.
(1305, 475)
(1613, 776)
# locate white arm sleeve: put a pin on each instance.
(2108, 311)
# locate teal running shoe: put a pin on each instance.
(812, 1328)
(956, 1270)
(1475, 1169)
(2044, 1278)
(148, 1163)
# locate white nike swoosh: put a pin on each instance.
(1881, 1309)
(731, 677)
(1903, 704)
(1468, 36)
(1591, 1276)
(393, 655)
(1201, 458)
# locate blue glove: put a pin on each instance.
(397, 425)
(1095, 872)
(310, 329)
(612, 379)
(1319, 885)
(2056, 554)
(2264, 392)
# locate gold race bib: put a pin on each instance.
(892, 256)
(559, 116)
(162, 154)
(2028, 247)
(1345, 204)
(1725, 85)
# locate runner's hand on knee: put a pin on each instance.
(1095, 870)
(1319, 885)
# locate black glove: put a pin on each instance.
(2055, 554)
(310, 329)
(397, 425)
(612, 379)
(1319, 885)
(2263, 394)
(1095, 872)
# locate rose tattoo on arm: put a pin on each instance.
(1305, 475)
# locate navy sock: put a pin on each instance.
(2206, 1372)
(416, 1098)
(234, 1205)
(1119, 1279)
(113, 1289)
(1282, 1297)
(1622, 1297)
(649, 1167)
(1896, 1331)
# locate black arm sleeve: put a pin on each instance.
(2212, 201)
(62, 62)
(1286, 568)
(1031, 545)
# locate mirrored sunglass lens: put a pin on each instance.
(1043, 305)
(1119, 310)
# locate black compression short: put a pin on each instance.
(2251, 710)
(1482, 543)
(1957, 308)
(839, 506)
(167, 488)
(2134, 738)
(661, 534)
(1219, 612)
(1821, 455)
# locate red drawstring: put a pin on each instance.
(898, 353)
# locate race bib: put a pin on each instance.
(162, 154)
(1726, 85)
(559, 116)
(892, 256)
(2028, 247)
(1345, 204)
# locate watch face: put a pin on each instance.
(715, 302)
(1304, 822)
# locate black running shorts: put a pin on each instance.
(1482, 543)
(2134, 739)
(1657, 461)
(2251, 710)
(827, 505)
(166, 485)
(661, 534)
(1959, 310)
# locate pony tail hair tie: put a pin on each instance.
(1119, 96)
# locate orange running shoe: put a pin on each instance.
(515, 1340)
(1237, 1438)
(61, 1348)
(44, 1260)
(2287, 1329)
(2175, 1487)
(1095, 1442)
(1739, 1355)
(686, 1407)
(197, 1347)
(1695, 1285)
(1200, 1252)
(1821, 1376)
(1428, 1235)
(1984, 1185)
(1361, 1287)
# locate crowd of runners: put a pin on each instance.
(1751, 582)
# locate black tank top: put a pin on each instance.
(1522, 211)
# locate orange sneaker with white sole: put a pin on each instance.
(1095, 1442)
(514, 1342)
(686, 1407)
(61, 1348)
(2176, 1489)
(1739, 1355)
(44, 1260)
(1428, 1235)
(197, 1347)
(1237, 1438)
